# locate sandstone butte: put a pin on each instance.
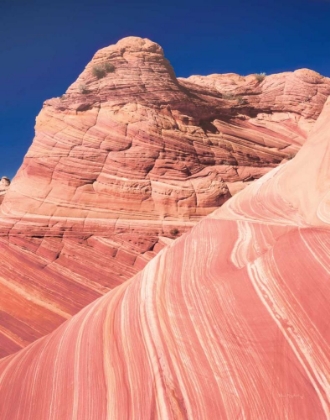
(128, 159)
(230, 321)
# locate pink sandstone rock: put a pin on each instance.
(229, 321)
(4, 185)
(122, 161)
(141, 144)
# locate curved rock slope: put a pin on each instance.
(230, 321)
(126, 160)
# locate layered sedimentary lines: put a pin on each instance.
(229, 321)
(211, 341)
(50, 273)
(128, 159)
(136, 142)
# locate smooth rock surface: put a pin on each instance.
(122, 161)
(229, 321)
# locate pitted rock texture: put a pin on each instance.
(230, 321)
(129, 158)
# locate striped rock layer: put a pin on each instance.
(230, 321)
(128, 159)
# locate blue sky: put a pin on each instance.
(45, 45)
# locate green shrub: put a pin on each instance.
(174, 232)
(260, 77)
(101, 70)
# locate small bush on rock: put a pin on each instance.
(260, 77)
(174, 232)
(98, 72)
(101, 70)
(109, 68)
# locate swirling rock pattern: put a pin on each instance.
(129, 158)
(230, 321)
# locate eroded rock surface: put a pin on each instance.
(129, 158)
(4, 185)
(142, 144)
(228, 322)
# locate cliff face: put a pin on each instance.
(230, 321)
(129, 158)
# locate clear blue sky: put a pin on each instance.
(45, 45)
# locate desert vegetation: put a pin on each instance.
(101, 70)
(260, 77)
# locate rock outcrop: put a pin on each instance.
(137, 142)
(128, 159)
(228, 322)
(4, 185)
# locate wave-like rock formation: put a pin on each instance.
(128, 159)
(230, 321)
